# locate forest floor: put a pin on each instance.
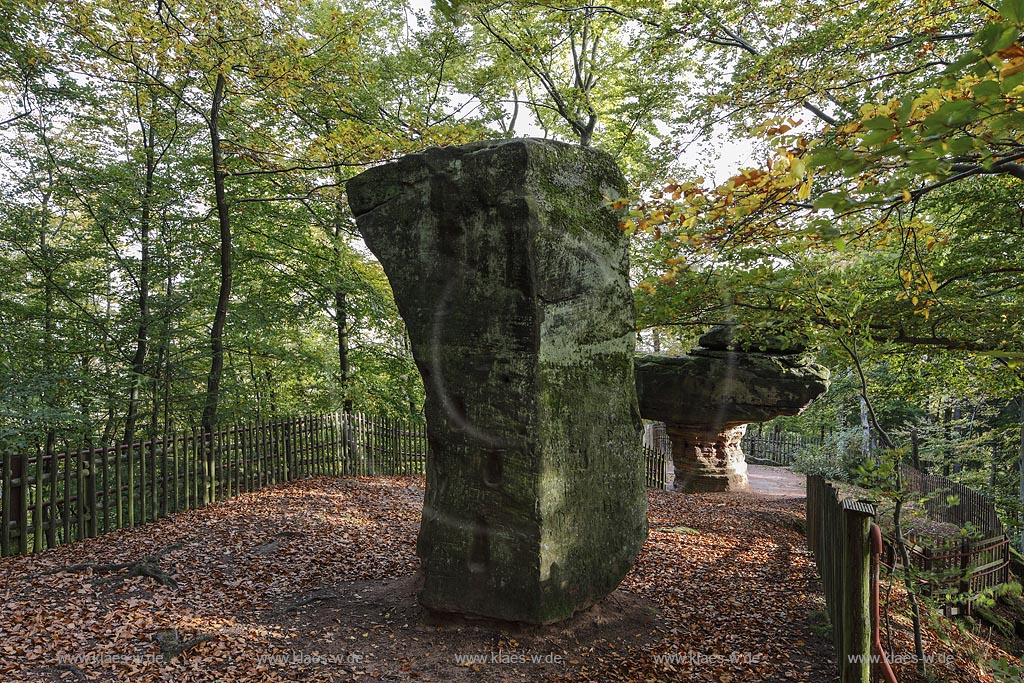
(316, 581)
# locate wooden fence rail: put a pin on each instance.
(955, 570)
(47, 500)
(775, 448)
(838, 533)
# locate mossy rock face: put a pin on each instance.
(511, 275)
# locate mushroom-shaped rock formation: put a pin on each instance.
(511, 275)
(708, 397)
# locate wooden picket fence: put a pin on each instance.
(775, 448)
(955, 568)
(949, 501)
(656, 468)
(47, 500)
(838, 533)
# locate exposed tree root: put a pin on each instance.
(147, 566)
(171, 646)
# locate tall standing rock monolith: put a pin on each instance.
(511, 276)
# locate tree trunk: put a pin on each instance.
(865, 426)
(165, 342)
(953, 451)
(110, 423)
(341, 318)
(51, 390)
(908, 579)
(142, 333)
(992, 466)
(947, 416)
(271, 394)
(915, 448)
(224, 295)
(341, 293)
(255, 383)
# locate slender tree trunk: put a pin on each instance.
(915, 448)
(224, 295)
(165, 341)
(255, 383)
(992, 466)
(142, 333)
(908, 580)
(947, 416)
(110, 424)
(271, 394)
(51, 433)
(50, 396)
(954, 451)
(158, 372)
(341, 318)
(341, 294)
(865, 426)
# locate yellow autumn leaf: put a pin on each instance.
(805, 190)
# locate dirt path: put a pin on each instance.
(315, 581)
(765, 480)
(776, 481)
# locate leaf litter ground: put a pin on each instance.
(316, 581)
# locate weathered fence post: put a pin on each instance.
(838, 533)
(856, 667)
(6, 503)
(966, 552)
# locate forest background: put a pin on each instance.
(177, 251)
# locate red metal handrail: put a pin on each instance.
(876, 631)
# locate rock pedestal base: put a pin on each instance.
(708, 461)
(707, 397)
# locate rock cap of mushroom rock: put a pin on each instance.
(720, 389)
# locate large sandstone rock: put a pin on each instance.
(707, 397)
(511, 276)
